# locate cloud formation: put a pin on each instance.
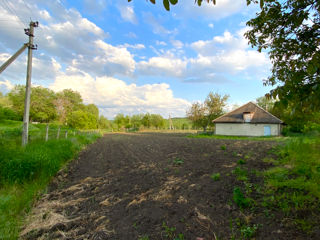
(114, 96)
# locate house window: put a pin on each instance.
(247, 116)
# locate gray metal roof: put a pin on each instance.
(259, 115)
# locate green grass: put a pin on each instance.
(26, 171)
(215, 176)
(267, 138)
(293, 184)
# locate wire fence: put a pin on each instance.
(41, 133)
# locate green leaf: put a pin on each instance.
(173, 2)
(166, 5)
(153, 1)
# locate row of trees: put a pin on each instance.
(65, 107)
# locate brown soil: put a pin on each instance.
(127, 186)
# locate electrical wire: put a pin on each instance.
(30, 10)
(6, 6)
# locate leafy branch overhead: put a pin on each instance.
(167, 3)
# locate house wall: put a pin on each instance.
(245, 129)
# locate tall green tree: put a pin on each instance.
(146, 120)
(157, 121)
(197, 114)
(66, 102)
(290, 31)
(266, 103)
(202, 114)
(42, 108)
(82, 120)
(136, 120)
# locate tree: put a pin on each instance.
(120, 121)
(136, 120)
(197, 114)
(215, 104)
(202, 114)
(157, 121)
(66, 102)
(82, 120)
(146, 120)
(290, 31)
(42, 108)
(265, 103)
(103, 123)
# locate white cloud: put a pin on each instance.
(162, 66)
(133, 46)
(161, 43)
(5, 86)
(177, 44)
(112, 95)
(210, 25)
(127, 13)
(157, 27)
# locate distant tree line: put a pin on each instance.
(65, 107)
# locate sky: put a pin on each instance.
(135, 57)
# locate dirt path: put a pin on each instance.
(156, 186)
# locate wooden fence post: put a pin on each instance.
(58, 133)
(47, 132)
(66, 135)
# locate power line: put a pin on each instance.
(10, 9)
(31, 12)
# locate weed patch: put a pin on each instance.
(215, 176)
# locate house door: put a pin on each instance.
(267, 131)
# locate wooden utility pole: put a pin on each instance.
(31, 47)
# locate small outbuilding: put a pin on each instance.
(248, 120)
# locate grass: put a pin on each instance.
(215, 176)
(263, 138)
(26, 171)
(240, 199)
(293, 184)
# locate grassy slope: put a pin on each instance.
(26, 171)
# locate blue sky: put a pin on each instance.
(136, 57)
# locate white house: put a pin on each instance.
(248, 120)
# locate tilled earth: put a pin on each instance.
(155, 186)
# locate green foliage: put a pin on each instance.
(296, 178)
(242, 174)
(25, 172)
(223, 147)
(215, 176)
(240, 199)
(143, 238)
(289, 31)
(169, 232)
(103, 123)
(177, 161)
(241, 161)
(247, 232)
(265, 103)
(82, 120)
(202, 114)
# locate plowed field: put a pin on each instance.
(157, 186)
